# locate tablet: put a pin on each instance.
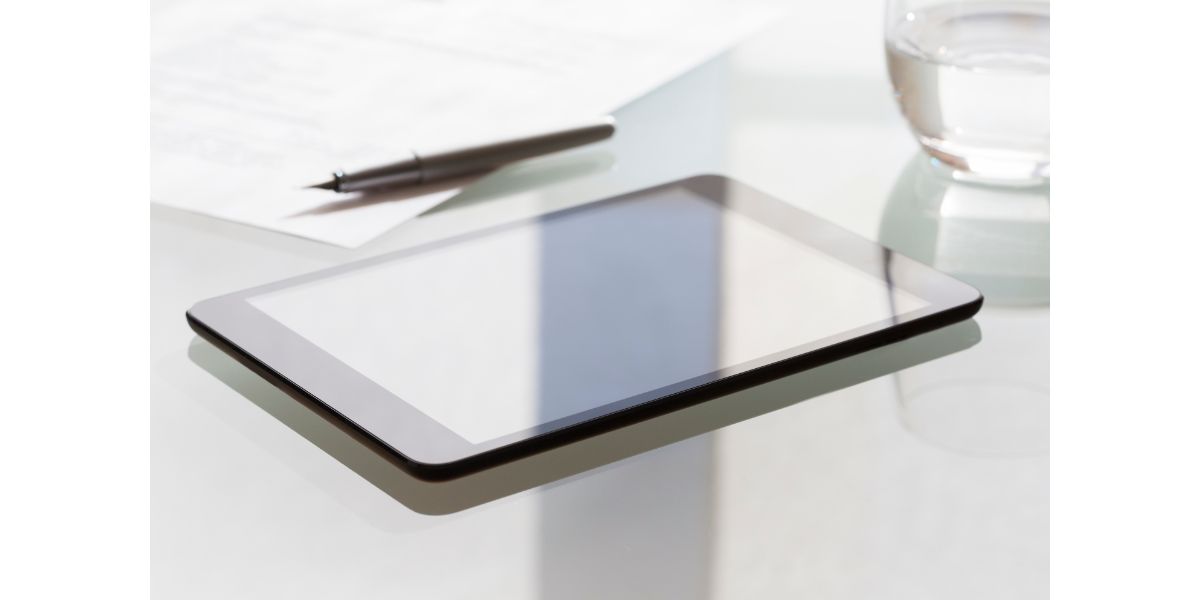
(480, 349)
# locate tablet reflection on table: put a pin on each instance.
(349, 448)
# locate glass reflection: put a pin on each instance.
(995, 238)
(992, 401)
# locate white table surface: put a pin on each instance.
(931, 482)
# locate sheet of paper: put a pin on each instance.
(251, 101)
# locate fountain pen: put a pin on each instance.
(423, 167)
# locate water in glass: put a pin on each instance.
(973, 80)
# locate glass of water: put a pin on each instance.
(973, 80)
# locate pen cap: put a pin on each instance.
(396, 174)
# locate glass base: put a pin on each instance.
(989, 168)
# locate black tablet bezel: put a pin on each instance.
(430, 450)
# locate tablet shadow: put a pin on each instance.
(438, 498)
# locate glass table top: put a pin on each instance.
(919, 470)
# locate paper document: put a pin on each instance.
(252, 101)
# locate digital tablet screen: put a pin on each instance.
(559, 315)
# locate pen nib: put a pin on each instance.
(328, 185)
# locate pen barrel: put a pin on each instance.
(456, 162)
(438, 165)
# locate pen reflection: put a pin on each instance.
(514, 179)
(344, 202)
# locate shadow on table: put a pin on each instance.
(436, 498)
(531, 175)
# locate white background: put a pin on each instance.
(1125, 411)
